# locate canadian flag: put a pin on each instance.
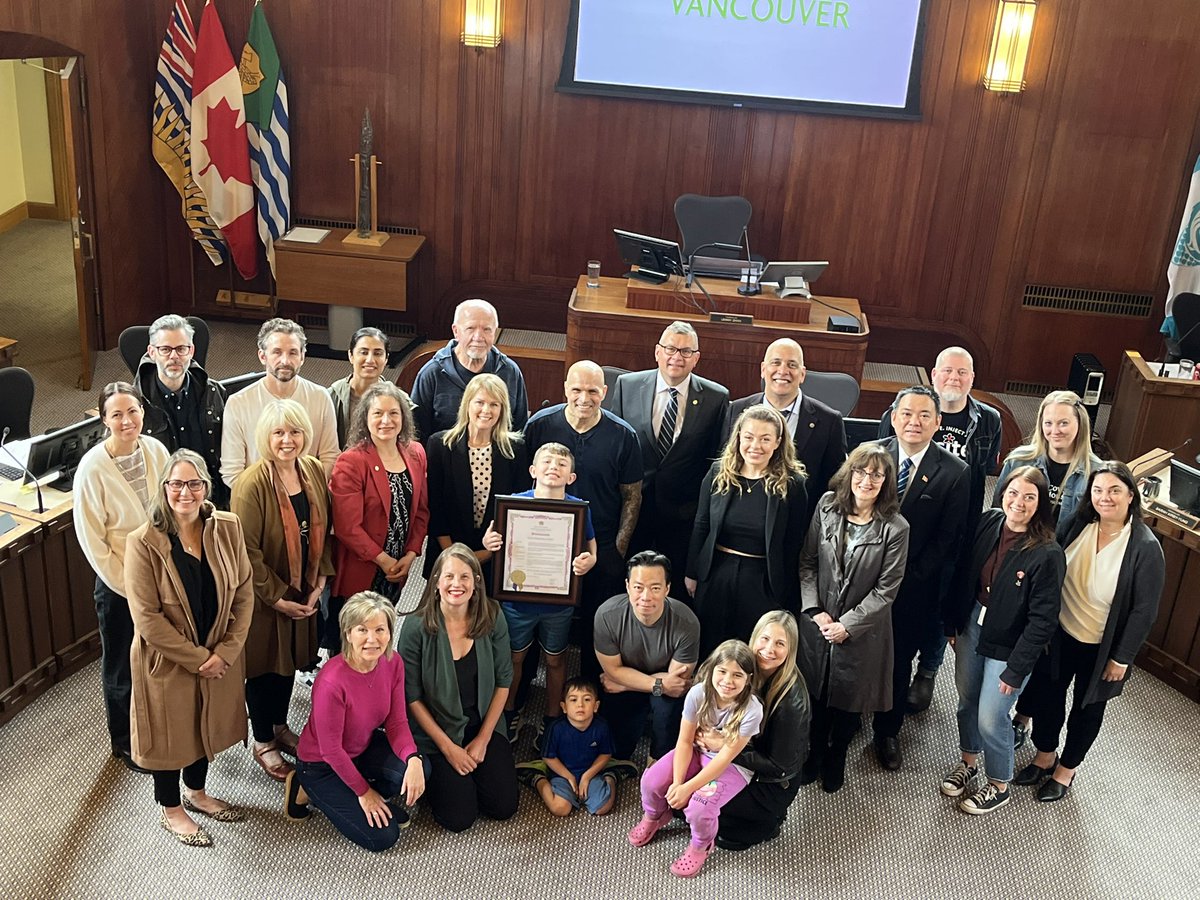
(220, 151)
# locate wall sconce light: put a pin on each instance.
(481, 22)
(1005, 69)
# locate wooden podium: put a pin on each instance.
(1149, 411)
(617, 323)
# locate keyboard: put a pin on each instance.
(12, 473)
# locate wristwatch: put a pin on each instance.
(656, 691)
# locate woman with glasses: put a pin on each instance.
(999, 623)
(1115, 575)
(191, 595)
(113, 488)
(283, 502)
(368, 359)
(748, 530)
(850, 570)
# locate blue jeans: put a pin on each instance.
(984, 713)
(383, 771)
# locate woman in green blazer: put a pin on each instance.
(457, 672)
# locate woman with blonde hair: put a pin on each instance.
(778, 752)
(850, 571)
(748, 531)
(1060, 446)
(357, 750)
(458, 668)
(283, 502)
(469, 464)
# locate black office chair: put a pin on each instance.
(835, 389)
(611, 374)
(1186, 310)
(861, 431)
(133, 342)
(703, 220)
(16, 401)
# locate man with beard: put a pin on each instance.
(438, 388)
(969, 430)
(281, 345)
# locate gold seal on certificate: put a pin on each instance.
(541, 539)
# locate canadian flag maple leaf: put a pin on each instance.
(222, 152)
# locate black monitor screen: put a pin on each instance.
(655, 258)
(1185, 487)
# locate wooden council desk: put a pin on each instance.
(346, 274)
(48, 627)
(600, 327)
(1149, 411)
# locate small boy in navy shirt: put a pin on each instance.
(576, 758)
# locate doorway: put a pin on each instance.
(49, 303)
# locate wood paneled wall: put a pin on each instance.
(936, 225)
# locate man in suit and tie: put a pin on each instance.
(934, 488)
(818, 432)
(679, 418)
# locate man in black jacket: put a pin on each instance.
(934, 490)
(971, 431)
(184, 407)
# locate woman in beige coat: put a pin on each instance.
(283, 502)
(187, 578)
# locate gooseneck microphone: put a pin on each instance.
(24, 468)
(750, 288)
(715, 245)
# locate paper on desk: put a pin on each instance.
(302, 235)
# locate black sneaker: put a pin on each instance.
(403, 819)
(623, 768)
(543, 729)
(530, 773)
(1020, 734)
(512, 724)
(957, 779)
(984, 800)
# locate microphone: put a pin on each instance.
(1159, 457)
(750, 288)
(716, 245)
(24, 468)
(1187, 334)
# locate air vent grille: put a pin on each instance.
(1087, 300)
(334, 223)
(1030, 388)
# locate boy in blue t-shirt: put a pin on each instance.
(576, 756)
(552, 470)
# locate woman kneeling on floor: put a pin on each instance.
(357, 750)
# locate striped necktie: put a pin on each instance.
(902, 482)
(666, 431)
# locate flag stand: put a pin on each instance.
(375, 238)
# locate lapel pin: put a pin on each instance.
(812, 424)
(925, 478)
(695, 402)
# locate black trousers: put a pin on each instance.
(268, 698)
(753, 815)
(626, 713)
(166, 782)
(832, 730)
(1047, 690)
(667, 534)
(116, 637)
(606, 579)
(913, 627)
(491, 790)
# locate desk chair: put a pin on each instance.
(611, 374)
(703, 220)
(16, 401)
(133, 342)
(862, 431)
(835, 389)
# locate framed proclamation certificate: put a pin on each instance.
(541, 538)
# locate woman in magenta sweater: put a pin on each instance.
(357, 751)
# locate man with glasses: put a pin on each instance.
(934, 489)
(679, 418)
(184, 407)
(818, 432)
(281, 346)
(971, 431)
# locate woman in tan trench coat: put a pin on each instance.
(187, 578)
(283, 502)
(850, 570)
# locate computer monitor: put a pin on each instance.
(778, 272)
(656, 259)
(1185, 487)
(236, 383)
(62, 450)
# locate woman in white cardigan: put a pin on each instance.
(112, 491)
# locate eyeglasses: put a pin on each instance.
(181, 350)
(876, 477)
(195, 485)
(683, 352)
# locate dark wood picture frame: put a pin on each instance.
(507, 502)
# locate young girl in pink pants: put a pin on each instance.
(720, 711)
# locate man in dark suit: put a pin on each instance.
(679, 418)
(935, 489)
(817, 431)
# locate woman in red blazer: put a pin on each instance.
(380, 501)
